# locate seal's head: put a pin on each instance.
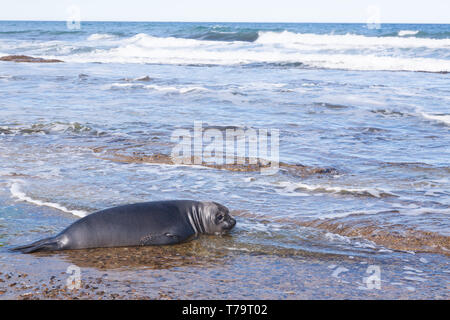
(212, 218)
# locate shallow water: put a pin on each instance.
(364, 173)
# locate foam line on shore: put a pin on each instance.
(17, 193)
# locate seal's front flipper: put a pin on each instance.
(157, 239)
(47, 244)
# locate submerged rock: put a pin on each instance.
(21, 58)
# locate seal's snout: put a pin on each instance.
(232, 222)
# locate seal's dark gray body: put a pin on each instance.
(148, 223)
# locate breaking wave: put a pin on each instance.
(100, 36)
(403, 33)
(249, 36)
(289, 49)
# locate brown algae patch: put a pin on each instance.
(396, 237)
(22, 58)
(241, 164)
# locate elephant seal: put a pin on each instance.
(139, 224)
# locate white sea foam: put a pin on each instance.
(421, 211)
(237, 249)
(17, 193)
(403, 33)
(168, 89)
(374, 192)
(351, 52)
(445, 119)
(44, 128)
(343, 214)
(100, 36)
(347, 41)
(360, 243)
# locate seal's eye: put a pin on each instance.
(219, 217)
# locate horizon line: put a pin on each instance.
(199, 21)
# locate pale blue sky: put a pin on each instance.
(402, 11)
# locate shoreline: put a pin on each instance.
(201, 270)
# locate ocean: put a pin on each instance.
(363, 125)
